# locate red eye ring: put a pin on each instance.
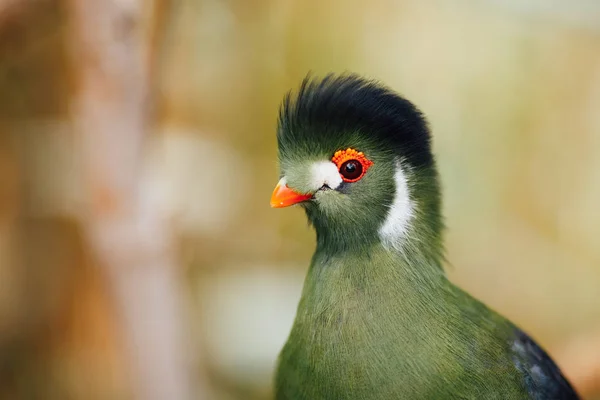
(352, 164)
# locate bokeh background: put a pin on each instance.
(139, 257)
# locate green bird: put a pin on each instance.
(378, 317)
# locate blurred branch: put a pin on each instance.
(10, 8)
(112, 57)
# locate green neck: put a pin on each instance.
(354, 300)
(369, 323)
(390, 287)
(389, 269)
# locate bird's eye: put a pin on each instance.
(351, 170)
(352, 164)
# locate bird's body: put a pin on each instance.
(358, 335)
(378, 318)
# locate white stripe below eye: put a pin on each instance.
(396, 224)
(325, 173)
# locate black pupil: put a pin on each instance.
(351, 169)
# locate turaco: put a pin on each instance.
(378, 318)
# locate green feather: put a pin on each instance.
(371, 325)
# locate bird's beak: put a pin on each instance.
(283, 196)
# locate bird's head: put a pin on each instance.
(357, 157)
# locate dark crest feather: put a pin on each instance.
(339, 104)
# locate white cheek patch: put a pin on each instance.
(282, 181)
(397, 222)
(324, 173)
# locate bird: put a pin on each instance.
(378, 317)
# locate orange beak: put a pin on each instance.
(283, 196)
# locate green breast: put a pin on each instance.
(369, 326)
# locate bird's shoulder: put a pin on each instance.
(543, 378)
(511, 348)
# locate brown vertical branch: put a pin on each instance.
(129, 233)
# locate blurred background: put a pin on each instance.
(139, 257)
